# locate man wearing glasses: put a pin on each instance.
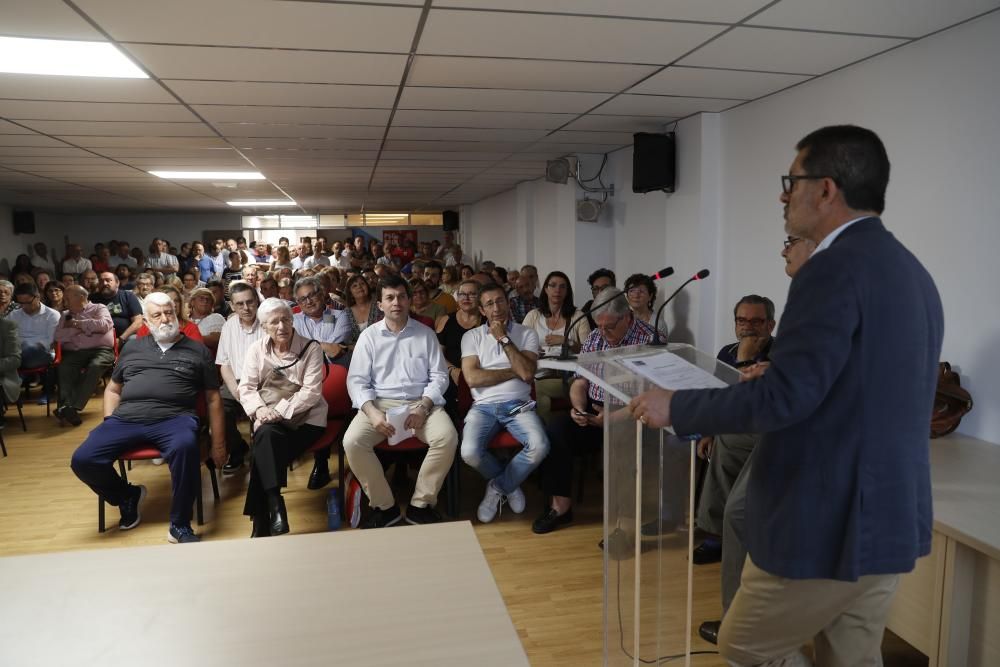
(839, 494)
(36, 326)
(238, 334)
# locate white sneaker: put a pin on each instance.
(516, 501)
(156, 462)
(491, 503)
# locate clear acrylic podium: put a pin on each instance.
(648, 515)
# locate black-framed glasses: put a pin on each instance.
(752, 321)
(790, 241)
(308, 297)
(788, 180)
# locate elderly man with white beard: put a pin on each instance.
(152, 398)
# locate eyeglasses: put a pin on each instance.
(245, 304)
(308, 297)
(752, 321)
(790, 241)
(496, 302)
(788, 181)
(607, 328)
(465, 295)
(636, 291)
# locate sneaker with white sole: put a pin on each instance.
(181, 535)
(516, 501)
(130, 507)
(490, 505)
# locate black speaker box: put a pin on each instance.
(24, 222)
(450, 219)
(653, 162)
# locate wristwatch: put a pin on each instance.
(505, 341)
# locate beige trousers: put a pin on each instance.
(438, 433)
(772, 617)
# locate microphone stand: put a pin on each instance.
(657, 342)
(564, 353)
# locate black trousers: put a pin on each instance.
(274, 446)
(565, 438)
(233, 411)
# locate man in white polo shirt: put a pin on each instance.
(498, 361)
(238, 334)
(396, 362)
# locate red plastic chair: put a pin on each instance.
(40, 370)
(147, 451)
(338, 417)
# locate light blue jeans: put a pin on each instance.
(483, 422)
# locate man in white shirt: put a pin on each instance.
(161, 260)
(398, 362)
(238, 334)
(318, 258)
(302, 252)
(36, 327)
(499, 359)
(75, 263)
(41, 260)
(123, 257)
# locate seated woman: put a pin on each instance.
(284, 426)
(361, 309)
(188, 328)
(54, 295)
(421, 307)
(450, 330)
(210, 323)
(549, 321)
(640, 290)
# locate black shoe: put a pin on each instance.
(319, 477)
(261, 527)
(277, 517)
(236, 459)
(551, 520)
(70, 415)
(658, 527)
(706, 553)
(418, 516)
(709, 631)
(382, 518)
(129, 507)
(181, 535)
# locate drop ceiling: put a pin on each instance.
(402, 104)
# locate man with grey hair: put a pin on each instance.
(152, 397)
(87, 335)
(584, 425)
(331, 329)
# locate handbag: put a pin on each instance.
(951, 402)
(276, 386)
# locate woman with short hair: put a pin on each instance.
(640, 291)
(201, 303)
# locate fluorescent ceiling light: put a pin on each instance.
(19, 55)
(210, 175)
(262, 202)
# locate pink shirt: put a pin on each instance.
(95, 328)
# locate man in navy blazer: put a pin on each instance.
(839, 500)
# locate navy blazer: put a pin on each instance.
(840, 486)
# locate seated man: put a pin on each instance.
(87, 335)
(36, 325)
(151, 398)
(432, 276)
(499, 359)
(125, 309)
(10, 360)
(754, 320)
(583, 427)
(525, 301)
(238, 334)
(397, 361)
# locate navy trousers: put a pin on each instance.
(177, 440)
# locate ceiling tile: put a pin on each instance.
(234, 64)
(471, 99)
(29, 140)
(149, 142)
(300, 25)
(26, 109)
(278, 114)
(260, 143)
(456, 146)
(703, 82)
(663, 106)
(467, 33)
(616, 138)
(29, 151)
(786, 50)
(464, 134)
(6, 127)
(81, 88)
(564, 149)
(902, 18)
(524, 74)
(299, 131)
(598, 122)
(69, 128)
(285, 94)
(431, 155)
(540, 121)
(44, 18)
(725, 11)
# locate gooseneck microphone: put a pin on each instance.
(564, 354)
(701, 275)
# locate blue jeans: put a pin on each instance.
(483, 422)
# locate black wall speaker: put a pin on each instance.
(450, 221)
(653, 162)
(24, 222)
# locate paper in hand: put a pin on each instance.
(397, 419)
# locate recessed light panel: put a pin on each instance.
(20, 55)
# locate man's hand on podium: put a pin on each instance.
(652, 408)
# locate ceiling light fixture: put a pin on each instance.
(261, 203)
(209, 175)
(20, 55)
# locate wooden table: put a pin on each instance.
(406, 595)
(949, 606)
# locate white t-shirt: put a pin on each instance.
(479, 342)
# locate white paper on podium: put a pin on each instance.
(397, 418)
(669, 371)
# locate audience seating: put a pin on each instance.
(44, 372)
(338, 416)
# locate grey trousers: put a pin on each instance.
(729, 455)
(734, 550)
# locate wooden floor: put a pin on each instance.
(552, 584)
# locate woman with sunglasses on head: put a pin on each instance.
(451, 328)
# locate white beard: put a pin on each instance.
(165, 333)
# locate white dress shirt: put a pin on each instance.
(832, 236)
(76, 266)
(332, 328)
(404, 366)
(313, 260)
(479, 342)
(235, 342)
(37, 329)
(115, 260)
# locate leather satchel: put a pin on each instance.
(276, 386)
(951, 402)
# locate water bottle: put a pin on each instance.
(332, 510)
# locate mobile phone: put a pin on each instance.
(524, 407)
(588, 412)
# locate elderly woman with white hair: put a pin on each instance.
(281, 392)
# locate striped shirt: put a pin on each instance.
(639, 333)
(235, 342)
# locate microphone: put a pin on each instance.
(701, 275)
(564, 354)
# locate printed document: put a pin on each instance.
(669, 371)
